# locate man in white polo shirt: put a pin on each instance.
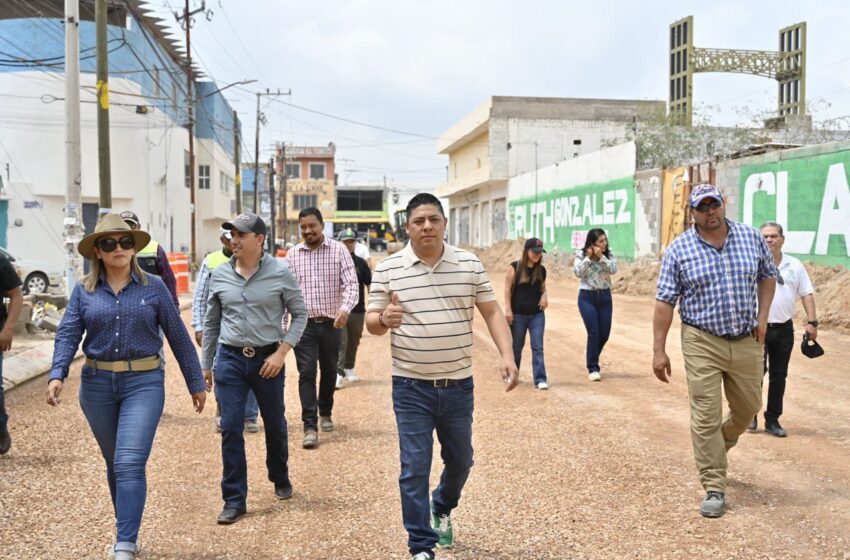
(793, 283)
(426, 295)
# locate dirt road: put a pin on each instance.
(584, 470)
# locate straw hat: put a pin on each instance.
(111, 223)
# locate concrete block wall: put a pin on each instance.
(648, 209)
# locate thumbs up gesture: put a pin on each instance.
(392, 315)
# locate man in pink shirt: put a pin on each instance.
(326, 275)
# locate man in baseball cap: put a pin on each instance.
(152, 258)
(705, 192)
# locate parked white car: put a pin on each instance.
(37, 276)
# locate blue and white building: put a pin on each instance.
(148, 130)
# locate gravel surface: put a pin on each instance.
(602, 470)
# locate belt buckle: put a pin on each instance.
(441, 383)
(248, 352)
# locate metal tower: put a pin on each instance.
(787, 66)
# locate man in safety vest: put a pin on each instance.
(152, 258)
(199, 310)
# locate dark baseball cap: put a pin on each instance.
(246, 223)
(703, 191)
(811, 348)
(347, 235)
(130, 217)
(535, 245)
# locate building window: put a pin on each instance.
(293, 170)
(225, 182)
(186, 170)
(302, 201)
(576, 142)
(204, 177)
(317, 170)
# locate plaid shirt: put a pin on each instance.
(326, 276)
(717, 288)
(199, 301)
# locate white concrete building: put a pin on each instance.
(508, 136)
(148, 139)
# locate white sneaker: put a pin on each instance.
(351, 375)
(339, 380)
(594, 376)
(542, 385)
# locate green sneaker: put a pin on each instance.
(442, 524)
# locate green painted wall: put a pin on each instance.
(562, 217)
(810, 197)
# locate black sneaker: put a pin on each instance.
(230, 515)
(754, 425)
(5, 441)
(283, 491)
(773, 428)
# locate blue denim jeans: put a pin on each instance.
(596, 308)
(251, 407)
(419, 410)
(236, 377)
(535, 324)
(4, 418)
(123, 411)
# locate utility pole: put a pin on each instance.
(73, 177)
(190, 125)
(273, 217)
(261, 118)
(283, 188)
(103, 156)
(236, 157)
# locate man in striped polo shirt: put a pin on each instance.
(426, 295)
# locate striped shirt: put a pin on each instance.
(326, 276)
(434, 340)
(717, 288)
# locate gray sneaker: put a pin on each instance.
(326, 424)
(713, 505)
(311, 439)
(251, 426)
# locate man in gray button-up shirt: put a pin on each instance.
(248, 297)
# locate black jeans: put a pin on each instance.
(778, 344)
(320, 342)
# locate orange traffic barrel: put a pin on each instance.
(180, 266)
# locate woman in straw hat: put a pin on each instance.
(121, 310)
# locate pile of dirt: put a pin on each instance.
(832, 296)
(497, 258)
(832, 284)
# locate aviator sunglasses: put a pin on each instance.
(109, 244)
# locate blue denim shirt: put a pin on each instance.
(124, 327)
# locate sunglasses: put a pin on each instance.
(703, 208)
(109, 244)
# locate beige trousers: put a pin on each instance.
(737, 365)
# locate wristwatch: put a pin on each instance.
(813, 323)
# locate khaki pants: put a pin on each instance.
(739, 366)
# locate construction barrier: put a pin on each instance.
(180, 266)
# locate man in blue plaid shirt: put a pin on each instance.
(722, 274)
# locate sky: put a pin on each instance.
(416, 67)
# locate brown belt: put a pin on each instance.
(139, 364)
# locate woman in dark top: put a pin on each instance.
(121, 310)
(525, 301)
